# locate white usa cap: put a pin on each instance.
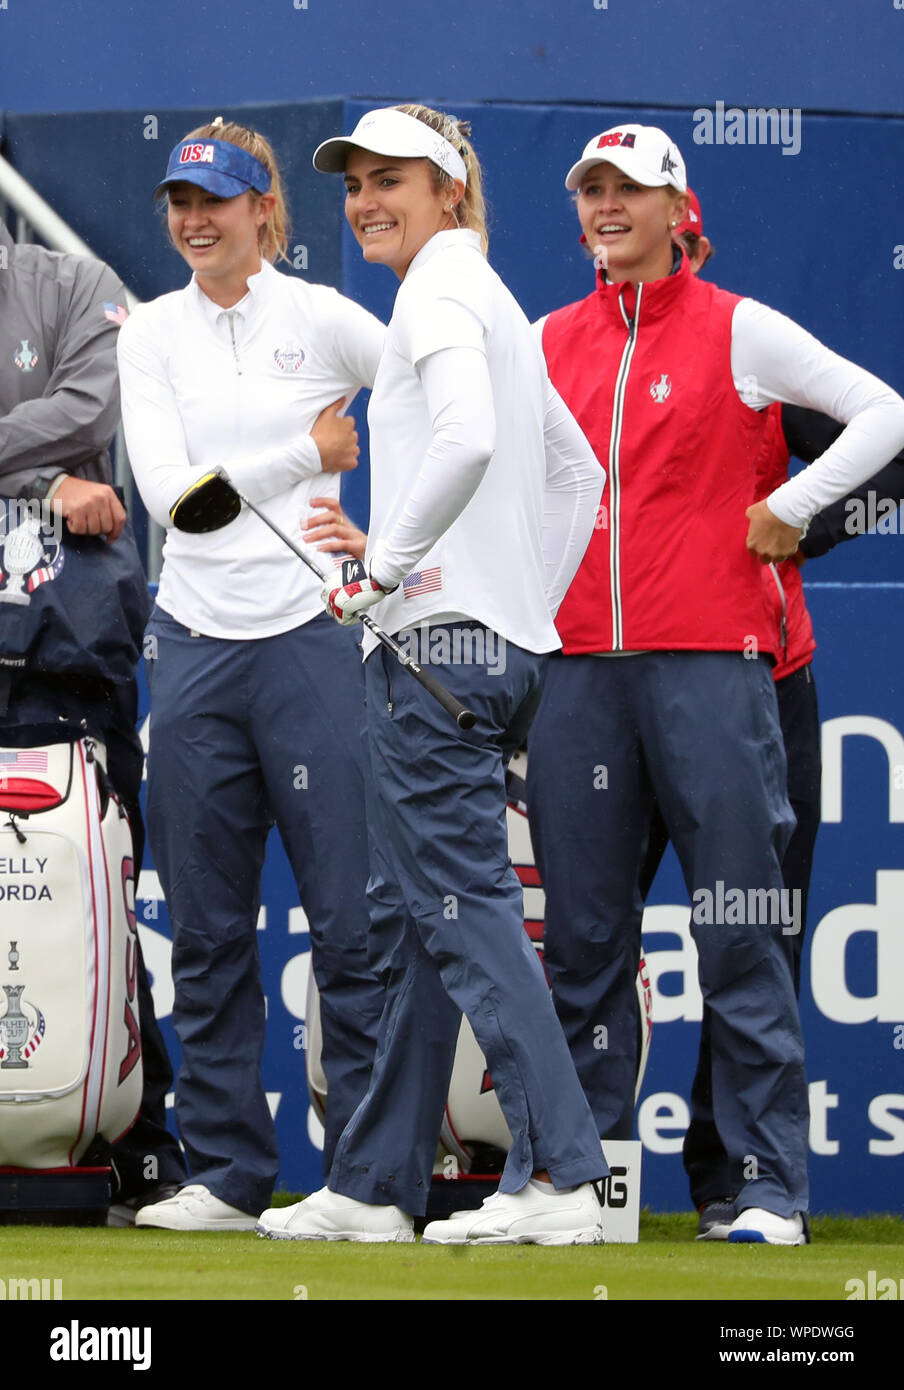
(391, 132)
(643, 152)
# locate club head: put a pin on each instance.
(208, 505)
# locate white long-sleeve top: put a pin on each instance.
(484, 490)
(774, 359)
(241, 388)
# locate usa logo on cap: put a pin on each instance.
(617, 137)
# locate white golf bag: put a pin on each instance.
(473, 1122)
(70, 1052)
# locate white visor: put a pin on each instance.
(390, 132)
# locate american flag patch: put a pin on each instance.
(115, 313)
(29, 758)
(423, 582)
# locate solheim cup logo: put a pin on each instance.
(289, 358)
(661, 390)
(30, 553)
(26, 359)
(13, 1029)
(20, 1032)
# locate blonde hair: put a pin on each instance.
(471, 211)
(273, 236)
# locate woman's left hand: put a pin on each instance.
(346, 602)
(772, 540)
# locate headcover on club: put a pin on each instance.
(210, 503)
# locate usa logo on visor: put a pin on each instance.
(196, 154)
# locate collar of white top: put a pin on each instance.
(445, 241)
(257, 286)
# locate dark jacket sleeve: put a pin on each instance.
(75, 418)
(808, 434)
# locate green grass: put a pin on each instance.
(95, 1263)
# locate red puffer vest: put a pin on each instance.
(783, 586)
(646, 371)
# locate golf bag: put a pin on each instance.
(70, 1052)
(475, 1137)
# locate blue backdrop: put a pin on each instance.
(823, 55)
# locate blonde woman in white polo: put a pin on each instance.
(484, 494)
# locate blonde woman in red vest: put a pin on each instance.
(664, 688)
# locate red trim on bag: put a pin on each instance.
(94, 917)
(109, 957)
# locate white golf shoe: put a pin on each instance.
(528, 1217)
(194, 1208)
(756, 1226)
(327, 1215)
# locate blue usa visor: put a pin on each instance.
(217, 165)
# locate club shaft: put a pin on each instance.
(462, 716)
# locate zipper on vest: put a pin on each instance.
(781, 593)
(621, 382)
